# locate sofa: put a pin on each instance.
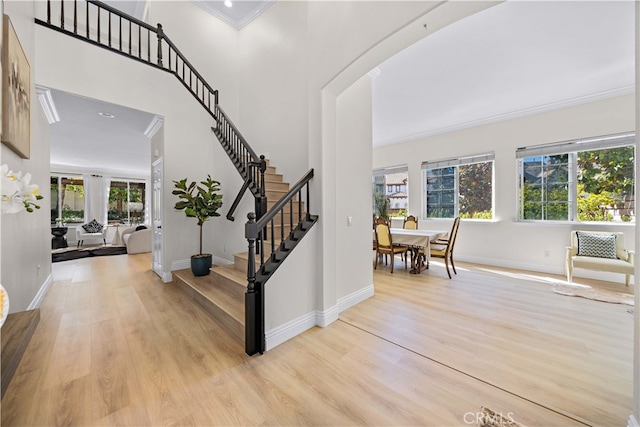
(137, 239)
(599, 251)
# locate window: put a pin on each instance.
(582, 180)
(459, 187)
(126, 202)
(67, 199)
(390, 190)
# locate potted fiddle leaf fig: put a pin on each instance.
(200, 201)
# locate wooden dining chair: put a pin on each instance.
(443, 248)
(385, 246)
(410, 223)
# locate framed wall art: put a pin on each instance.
(16, 93)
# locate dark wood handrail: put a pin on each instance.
(220, 112)
(261, 223)
(256, 231)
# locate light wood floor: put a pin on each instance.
(116, 346)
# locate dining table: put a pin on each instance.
(416, 240)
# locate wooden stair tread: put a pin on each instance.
(231, 273)
(16, 334)
(227, 309)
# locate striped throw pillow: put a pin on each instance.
(597, 245)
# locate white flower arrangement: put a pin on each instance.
(17, 193)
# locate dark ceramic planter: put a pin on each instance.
(201, 264)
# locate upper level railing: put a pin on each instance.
(98, 23)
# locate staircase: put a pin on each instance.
(222, 292)
(279, 220)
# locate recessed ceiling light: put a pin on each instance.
(106, 115)
(228, 3)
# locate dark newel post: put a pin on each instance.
(308, 203)
(48, 11)
(109, 32)
(160, 36)
(251, 297)
(75, 16)
(86, 24)
(263, 195)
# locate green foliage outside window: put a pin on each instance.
(381, 204)
(475, 190)
(402, 213)
(465, 190)
(604, 186)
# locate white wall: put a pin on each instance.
(505, 242)
(332, 43)
(189, 145)
(354, 153)
(26, 238)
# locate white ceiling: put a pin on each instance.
(241, 12)
(514, 59)
(83, 140)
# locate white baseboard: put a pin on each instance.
(548, 269)
(326, 317)
(167, 277)
(180, 264)
(633, 422)
(285, 332)
(320, 318)
(355, 298)
(42, 292)
(510, 264)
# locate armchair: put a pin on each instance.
(137, 239)
(600, 251)
(82, 234)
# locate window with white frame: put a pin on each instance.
(460, 186)
(390, 191)
(67, 198)
(127, 201)
(589, 179)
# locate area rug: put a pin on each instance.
(593, 293)
(490, 418)
(68, 254)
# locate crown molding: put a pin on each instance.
(48, 106)
(154, 126)
(237, 24)
(626, 90)
(375, 73)
(262, 7)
